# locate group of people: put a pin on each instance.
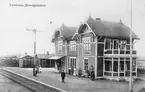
(36, 70)
(63, 75)
(72, 71)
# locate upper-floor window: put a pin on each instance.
(87, 43)
(108, 44)
(72, 46)
(122, 44)
(115, 44)
(60, 43)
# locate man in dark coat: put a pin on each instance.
(92, 75)
(63, 76)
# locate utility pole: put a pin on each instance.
(34, 62)
(131, 81)
(6, 56)
(44, 50)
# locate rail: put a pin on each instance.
(32, 84)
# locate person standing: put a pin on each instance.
(69, 70)
(92, 75)
(72, 70)
(63, 76)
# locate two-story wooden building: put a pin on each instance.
(99, 44)
(62, 38)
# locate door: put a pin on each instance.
(86, 63)
(100, 51)
(73, 62)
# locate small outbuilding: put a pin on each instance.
(44, 60)
(26, 61)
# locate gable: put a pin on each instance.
(65, 32)
(84, 29)
(110, 29)
(58, 34)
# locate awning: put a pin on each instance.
(55, 57)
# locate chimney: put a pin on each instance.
(47, 52)
(98, 18)
(25, 53)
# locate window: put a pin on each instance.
(115, 44)
(134, 65)
(72, 46)
(108, 65)
(86, 64)
(127, 65)
(60, 43)
(60, 48)
(108, 44)
(122, 65)
(115, 66)
(73, 62)
(122, 44)
(87, 43)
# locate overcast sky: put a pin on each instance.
(14, 21)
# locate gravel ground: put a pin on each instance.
(75, 84)
(7, 85)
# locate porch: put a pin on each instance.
(59, 62)
(119, 68)
(46, 63)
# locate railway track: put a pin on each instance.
(34, 85)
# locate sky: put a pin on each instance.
(14, 20)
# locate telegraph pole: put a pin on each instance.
(34, 62)
(131, 81)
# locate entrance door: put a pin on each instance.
(73, 62)
(86, 63)
(100, 52)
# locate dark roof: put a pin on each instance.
(67, 32)
(111, 29)
(25, 56)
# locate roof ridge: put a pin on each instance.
(104, 20)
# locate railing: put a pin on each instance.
(119, 51)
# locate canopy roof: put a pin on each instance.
(56, 57)
(43, 56)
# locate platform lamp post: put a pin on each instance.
(131, 81)
(34, 62)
